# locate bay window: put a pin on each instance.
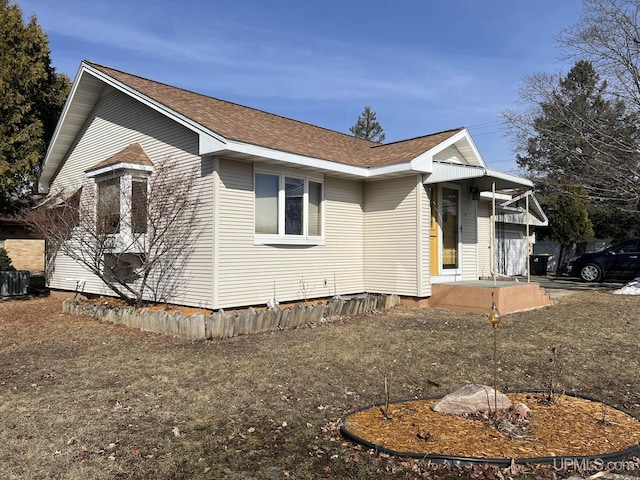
(108, 207)
(288, 208)
(138, 206)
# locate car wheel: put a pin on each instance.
(591, 273)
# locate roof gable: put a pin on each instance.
(133, 155)
(254, 135)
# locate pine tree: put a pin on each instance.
(5, 261)
(33, 95)
(367, 127)
(569, 221)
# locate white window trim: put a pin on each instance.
(282, 238)
(125, 240)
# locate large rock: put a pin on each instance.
(470, 399)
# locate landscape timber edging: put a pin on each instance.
(223, 324)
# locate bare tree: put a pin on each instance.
(608, 35)
(135, 235)
(575, 134)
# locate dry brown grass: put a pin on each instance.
(81, 399)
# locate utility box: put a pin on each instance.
(14, 283)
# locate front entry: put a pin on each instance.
(444, 231)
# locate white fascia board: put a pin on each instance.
(175, 116)
(499, 196)
(49, 168)
(525, 182)
(208, 145)
(406, 167)
(119, 166)
(534, 206)
(316, 163)
(465, 134)
(424, 162)
(461, 135)
(292, 158)
(207, 137)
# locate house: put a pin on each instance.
(287, 209)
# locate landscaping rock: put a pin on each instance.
(470, 399)
(521, 410)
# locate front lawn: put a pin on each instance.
(81, 399)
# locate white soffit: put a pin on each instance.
(450, 172)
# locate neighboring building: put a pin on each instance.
(359, 217)
(26, 251)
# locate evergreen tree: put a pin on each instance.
(33, 95)
(568, 216)
(5, 261)
(578, 136)
(367, 127)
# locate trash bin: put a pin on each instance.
(538, 264)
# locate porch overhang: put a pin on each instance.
(484, 178)
(451, 172)
(502, 181)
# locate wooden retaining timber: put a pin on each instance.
(223, 324)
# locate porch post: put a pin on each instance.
(528, 237)
(493, 234)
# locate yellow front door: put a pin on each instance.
(449, 225)
(443, 230)
(434, 229)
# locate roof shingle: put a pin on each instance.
(248, 125)
(133, 154)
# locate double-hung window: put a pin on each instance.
(288, 208)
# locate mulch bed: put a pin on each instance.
(567, 427)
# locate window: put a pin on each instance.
(122, 205)
(139, 206)
(266, 204)
(315, 208)
(293, 206)
(108, 208)
(288, 208)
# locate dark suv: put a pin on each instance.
(621, 260)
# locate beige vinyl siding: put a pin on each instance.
(469, 235)
(484, 238)
(391, 229)
(117, 122)
(249, 274)
(424, 219)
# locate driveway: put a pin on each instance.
(557, 287)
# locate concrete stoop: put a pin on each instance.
(475, 296)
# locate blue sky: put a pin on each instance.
(422, 65)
